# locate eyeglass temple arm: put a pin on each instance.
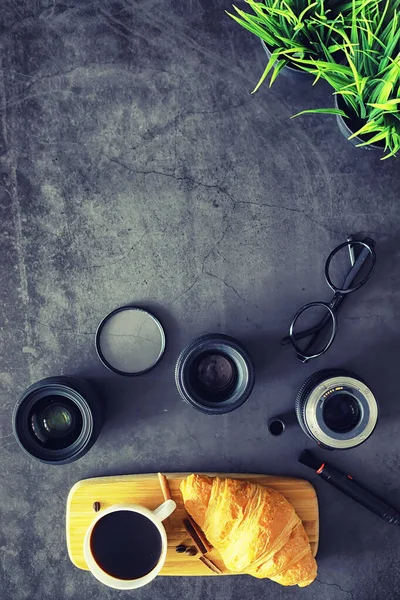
(356, 268)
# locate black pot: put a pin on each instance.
(352, 124)
(289, 71)
(58, 419)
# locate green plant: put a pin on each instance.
(369, 80)
(293, 29)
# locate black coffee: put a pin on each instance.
(125, 544)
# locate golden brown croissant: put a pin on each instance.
(254, 528)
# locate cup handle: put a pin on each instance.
(165, 510)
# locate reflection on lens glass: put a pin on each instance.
(341, 412)
(57, 419)
(340, 267)
(314, 317)
(215, 372)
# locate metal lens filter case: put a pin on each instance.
(336, 409)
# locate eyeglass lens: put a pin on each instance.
(341, 274)
(317, 322)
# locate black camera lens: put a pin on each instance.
(58, 419)
(341, 412)
(214, 374)
(336, 409)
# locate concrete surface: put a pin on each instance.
(136, 167)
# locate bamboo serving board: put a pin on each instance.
(145, 490)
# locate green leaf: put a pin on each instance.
(305, 11)
(261, 33)
(367, 128)
(280, 65)
(389, 105)
(269, 66)
(324, 111)
(376, 138)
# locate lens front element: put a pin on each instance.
(57, 420)
(215, 372)
(341, 412)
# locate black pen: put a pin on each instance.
(347, 485)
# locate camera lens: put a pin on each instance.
(214, 374)
(336, 409)
(341, 412)
(57, 419)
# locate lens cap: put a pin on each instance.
(130, 341)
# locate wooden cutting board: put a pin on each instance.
(145, 490)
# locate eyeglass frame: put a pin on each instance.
(340, 294)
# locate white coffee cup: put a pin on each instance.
(156, 516)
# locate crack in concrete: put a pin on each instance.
(119, 260)
(225, 283)
(224, 191)
(51, 326)
(187, 290)
(170, 175)
(337, 586)
(194, 439)
(281, 207)
(231, 462)
(218, 110)
(72, 70)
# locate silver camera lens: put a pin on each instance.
(336, 409)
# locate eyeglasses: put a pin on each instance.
(362, 264)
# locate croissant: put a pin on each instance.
(254, 528)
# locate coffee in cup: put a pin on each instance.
(126, 545)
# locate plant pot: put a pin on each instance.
(352, 124)
(292, 71)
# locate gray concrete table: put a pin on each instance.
(137, 167)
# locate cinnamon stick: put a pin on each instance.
(200, 534)
(198, 540)
(164, 486)
(206, 561)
